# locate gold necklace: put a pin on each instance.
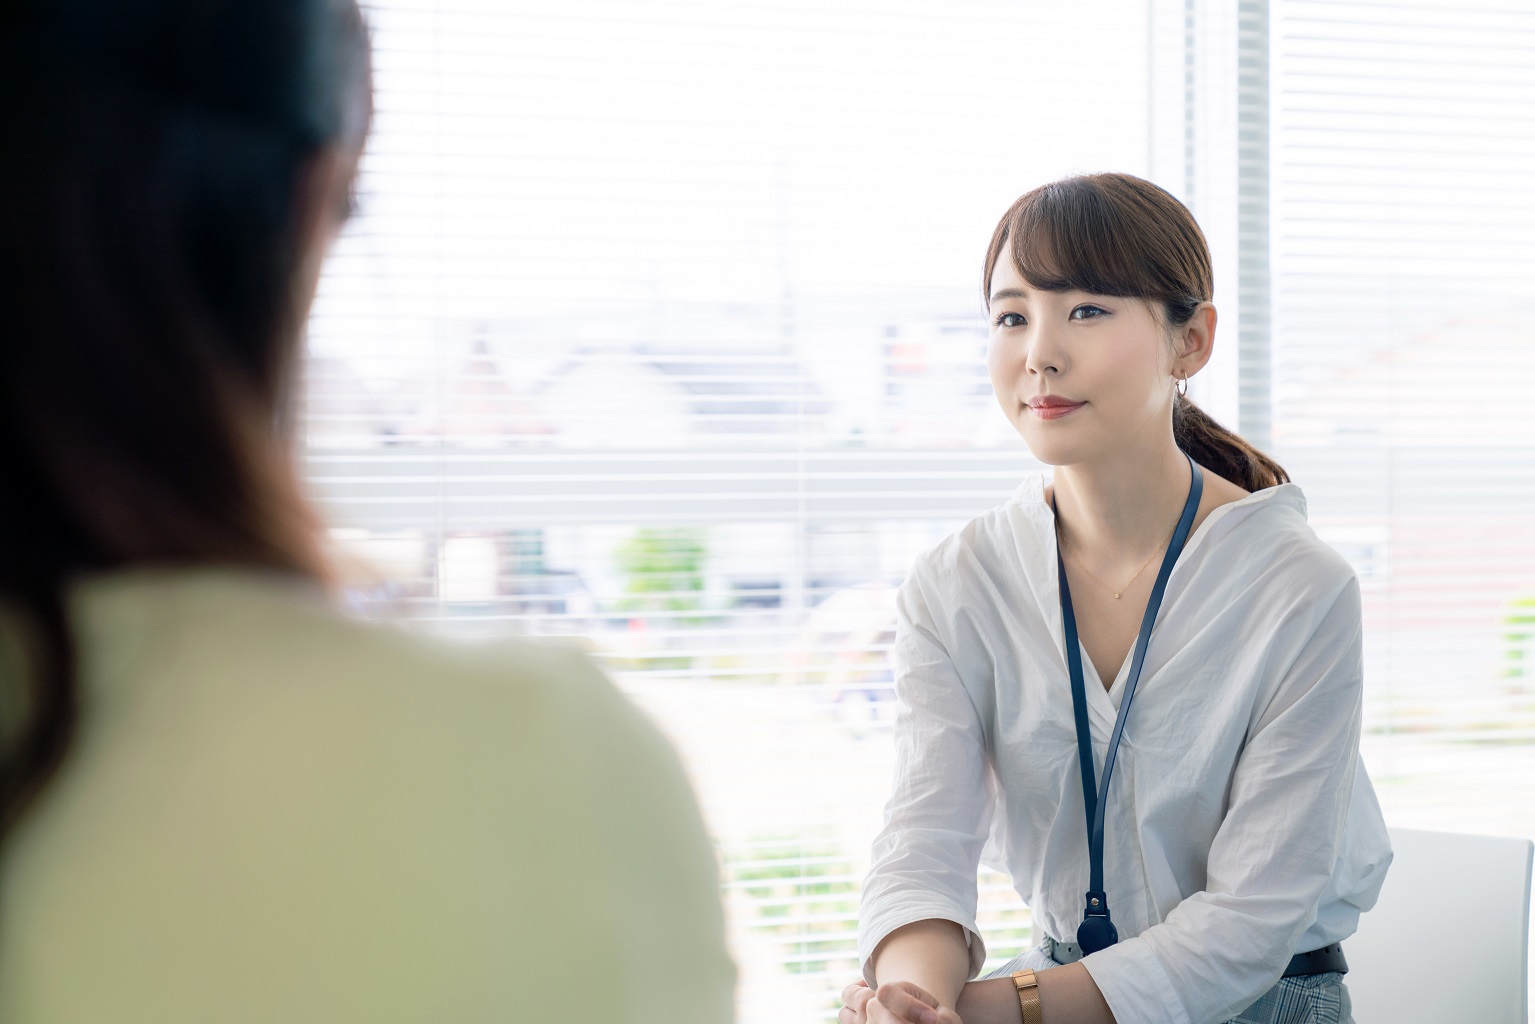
(1132, 579)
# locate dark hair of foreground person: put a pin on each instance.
(155, 181)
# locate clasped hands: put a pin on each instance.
(898, 1002)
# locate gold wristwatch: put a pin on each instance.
(1028, 996)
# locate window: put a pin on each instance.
(1404, 276)
(660, 327)
(1404, 295)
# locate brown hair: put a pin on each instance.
(150, 293)
(1116, 234)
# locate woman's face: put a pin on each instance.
(1078, 375)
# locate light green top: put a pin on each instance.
(274, 813)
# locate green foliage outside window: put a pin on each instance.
(806, 897)
(663, 569)
(1519, 639)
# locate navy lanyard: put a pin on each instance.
(1097, 930)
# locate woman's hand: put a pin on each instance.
(899, 1002)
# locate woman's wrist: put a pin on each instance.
(1067, 995)
(1027, 986)
(989, 1002)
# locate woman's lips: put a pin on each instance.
(1055, 410)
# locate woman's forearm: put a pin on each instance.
(990, 1002)
(931, 954)
(1067, 995)
(934, 956)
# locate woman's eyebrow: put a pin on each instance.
(1007, 293)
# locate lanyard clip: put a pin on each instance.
(1096, 930)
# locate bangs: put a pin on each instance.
(1092, 234)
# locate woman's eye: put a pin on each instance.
(1087, 312)
(1009, 320)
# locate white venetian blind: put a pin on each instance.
(660, 327)
(1404, 355)
(1404, 260)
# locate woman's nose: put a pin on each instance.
(1044, 354)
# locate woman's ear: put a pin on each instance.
(1195, 341)
(320, 209)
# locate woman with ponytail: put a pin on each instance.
(220, 798)
(1139, 681)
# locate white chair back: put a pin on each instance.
(1449, 939)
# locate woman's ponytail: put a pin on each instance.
(1213, 446)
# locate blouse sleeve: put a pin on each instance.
(924, 860)
(1220, 949)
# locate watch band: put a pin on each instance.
(1028, 996)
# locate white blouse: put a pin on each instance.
(1241, 827)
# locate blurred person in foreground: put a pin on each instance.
(221, 799)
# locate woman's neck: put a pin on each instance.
(1114, 511)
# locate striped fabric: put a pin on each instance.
(1315, 999)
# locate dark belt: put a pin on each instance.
(1318, 961)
